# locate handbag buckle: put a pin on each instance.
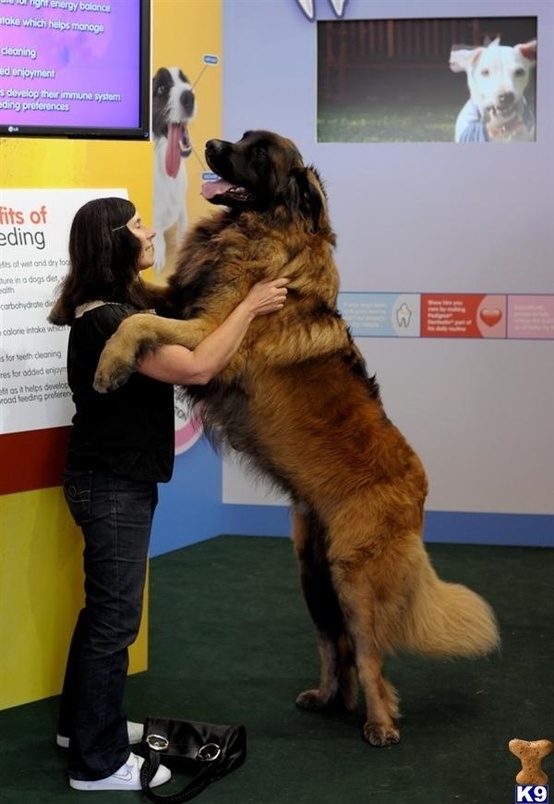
(208, 752)
(157, 742)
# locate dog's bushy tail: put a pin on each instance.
(446, 619)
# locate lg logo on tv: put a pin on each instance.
(535, 793)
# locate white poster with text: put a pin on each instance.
(34, 231)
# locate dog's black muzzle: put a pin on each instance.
(218, 156)
(212, 152)
(216, 148)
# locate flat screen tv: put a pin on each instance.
(75, 68)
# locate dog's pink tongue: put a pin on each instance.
(173, 152)
(212, 188)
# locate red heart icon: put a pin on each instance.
(490, 317)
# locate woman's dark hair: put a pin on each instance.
(103, 258)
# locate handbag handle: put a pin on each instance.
(192, 789)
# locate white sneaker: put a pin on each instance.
(126, 778)
(134, 730)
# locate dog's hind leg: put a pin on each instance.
(373, 548)
(357, 598)
(338, 685)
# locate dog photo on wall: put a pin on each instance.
(173, 109)
(391, 80)
(497, 78)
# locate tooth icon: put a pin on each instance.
(307, 7)
(403, 315)
(338, 6)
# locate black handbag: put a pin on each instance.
(207, 750)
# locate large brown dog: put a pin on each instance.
(297, 401)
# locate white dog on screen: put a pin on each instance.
(173, 107)
(497, 77)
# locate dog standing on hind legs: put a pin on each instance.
(357, 497)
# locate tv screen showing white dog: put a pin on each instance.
(392, 80)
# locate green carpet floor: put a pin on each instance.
(231, 642)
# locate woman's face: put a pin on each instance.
(146, 235)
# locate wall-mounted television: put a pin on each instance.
(75, 68)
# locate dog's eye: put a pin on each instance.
(485, 72)
(519, 71)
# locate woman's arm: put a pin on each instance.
(181, 366)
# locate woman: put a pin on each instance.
(121, 446)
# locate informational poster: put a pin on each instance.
(449, 315)
(34, 231)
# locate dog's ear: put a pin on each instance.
(306, 197)
(461, 58)
(528, 51)
(161, 77)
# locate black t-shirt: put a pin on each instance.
(130, 431)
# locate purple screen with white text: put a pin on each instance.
(70, 64)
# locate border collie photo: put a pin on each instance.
(173, 108)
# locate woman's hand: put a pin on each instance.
(267, 296)
(180, 366)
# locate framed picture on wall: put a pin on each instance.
(427, 80)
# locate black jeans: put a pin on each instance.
(115, 516)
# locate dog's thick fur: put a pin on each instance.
(298, 403)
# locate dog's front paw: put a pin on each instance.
(112, 372)
(380, 735)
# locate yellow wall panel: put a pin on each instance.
(41, 587)
(40, 548)
(71, 163)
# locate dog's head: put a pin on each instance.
(173, 107)
(497, 75)
(265, 172)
